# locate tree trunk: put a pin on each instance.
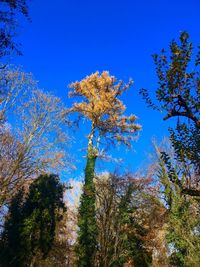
(87, 234)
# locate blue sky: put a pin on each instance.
(68, 40)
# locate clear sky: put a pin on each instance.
(68, 40)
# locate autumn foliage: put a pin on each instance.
(101, 105)
(149, 218)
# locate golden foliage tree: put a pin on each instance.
(102, 107)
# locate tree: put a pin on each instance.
(129, 217)
(62, 250)
(13, 82)
(182, 233)
(179, 97)
(9, 242)
(101, 106)
(34, 141)
(9, 11)
(29, 230)
(12, 86)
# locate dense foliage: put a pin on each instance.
(87, 218)
(30, 224)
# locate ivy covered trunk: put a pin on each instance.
(87, 234)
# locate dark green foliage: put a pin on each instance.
(41, 208)
(124, 222)
(10, 252)
(132, 232)
(30, 227)
(87, 233)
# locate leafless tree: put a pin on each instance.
(33, 139)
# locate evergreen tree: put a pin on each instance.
(10, 252)
(30, 227)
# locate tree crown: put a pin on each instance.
(101, 105)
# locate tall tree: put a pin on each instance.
(101, 106)
(30, 226)
(179, 97)
(33, 140)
